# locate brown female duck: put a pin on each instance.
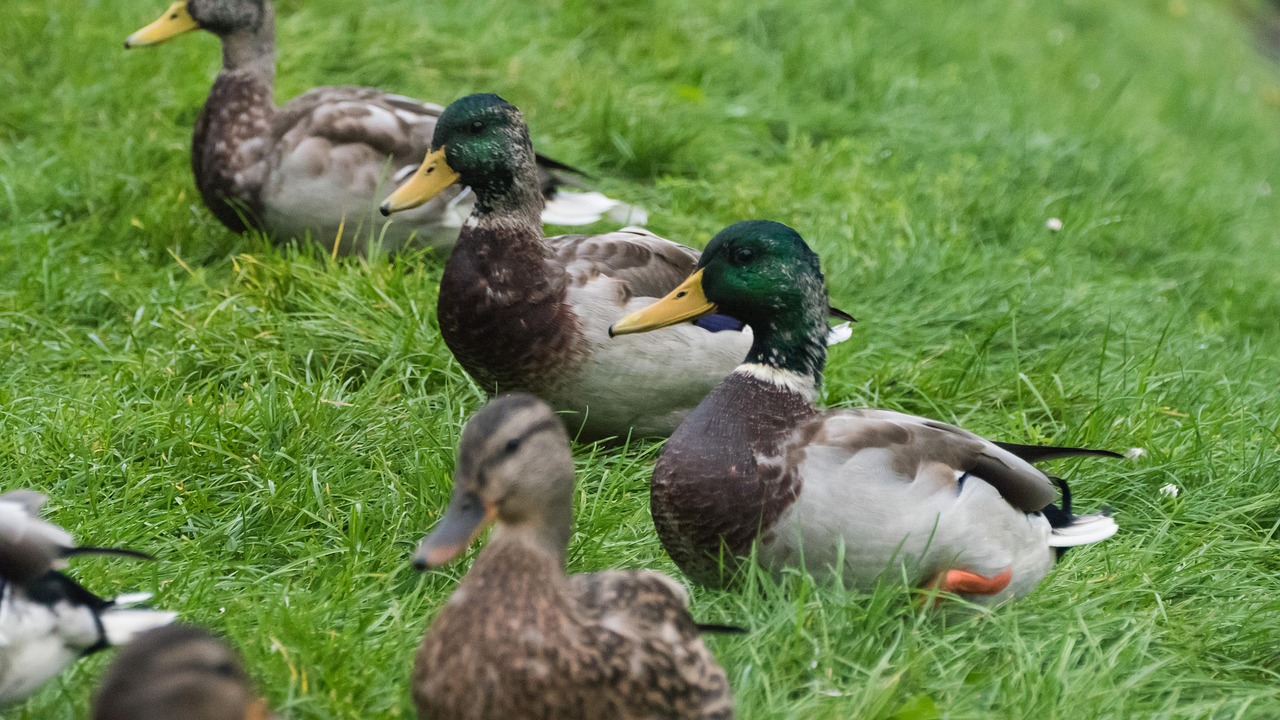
(319, 165)
(866, 495)
(521, 639)
(178, 671)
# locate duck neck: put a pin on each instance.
(790, 348)
(508, 198)
(250, 53)
(524, 551)
(228, 151)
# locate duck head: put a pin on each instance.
(483, 142)
(177, 670)
(220, 17)
(514, 468)
(763, 274)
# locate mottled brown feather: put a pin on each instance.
(519, 639)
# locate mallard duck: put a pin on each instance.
(319, 164)
(521, 639)
(178, 671)
(867, 495)
(47, 620)
(524, 312)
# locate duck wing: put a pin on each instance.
(920, 447)
(649, 612)
(320, 120)
(647, 265)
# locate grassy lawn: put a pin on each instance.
(280, 428)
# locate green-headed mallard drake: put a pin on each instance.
(178, 671)
(890, 495)
(48, 620)
(320, 164)
(524, 312)
(521, 639)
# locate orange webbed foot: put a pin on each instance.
(963, 582)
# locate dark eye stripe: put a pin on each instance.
(514, 443)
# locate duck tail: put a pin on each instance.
(576, 207)
(1070, 530)
(1084, 530)
(121, 622)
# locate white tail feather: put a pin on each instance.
(1084, 530)
(568, 207)
(121, 626)
(837, 334)
(131, 599)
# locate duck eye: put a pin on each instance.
(742, 255)
(477, 127)
(512, 445)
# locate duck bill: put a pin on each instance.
(175, 21)
(686, 302)
(433, 176)
(466, 518)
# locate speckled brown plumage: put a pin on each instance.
(711, 490)
(228, 154)
(502, 310)
(178, 671)
(519, 638)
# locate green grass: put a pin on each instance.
(280, 428)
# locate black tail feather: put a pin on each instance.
(717, 629)
(836, 312)
(1040, 453)
(117, 552)
(547, 163)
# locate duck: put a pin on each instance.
(48, 620)
(317, 166)
(859, 495)
(528, 313)
(178, 671)
(521, 638)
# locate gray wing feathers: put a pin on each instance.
(916, 441)
(649, 265)
(393, 125)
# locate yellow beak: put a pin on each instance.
(175, 21)
(433, 176)
(686, 302)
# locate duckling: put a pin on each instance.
(520, 638)
(317, 166)
(178, 671)
(48, 620)
(863, 494)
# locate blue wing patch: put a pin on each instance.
(719, 323)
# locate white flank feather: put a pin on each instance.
(121, 626)
(1085, 530)
(568, 207)
(837, 334)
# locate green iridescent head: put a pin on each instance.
(764, 274)
(481, 141)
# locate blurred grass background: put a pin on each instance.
(280, 428)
